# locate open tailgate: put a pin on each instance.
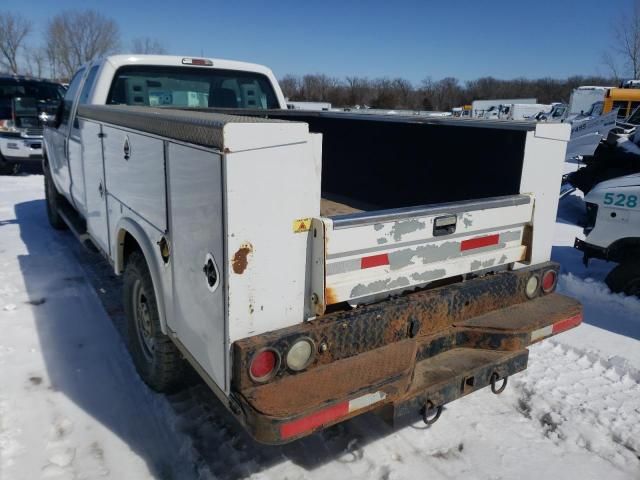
(363, 257)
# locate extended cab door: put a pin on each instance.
(57, 139)
(75, 144)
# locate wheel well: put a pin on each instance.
(624, 249)
(129, 245)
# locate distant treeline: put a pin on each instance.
(441, 95)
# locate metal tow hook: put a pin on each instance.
(494, 378)
(427, 410)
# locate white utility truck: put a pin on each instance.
(311, 266)
(482, 108)
(612, 231)
(516, 111)
(582, 99)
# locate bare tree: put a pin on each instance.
(290, 85)
(14, 28)
(431, 94)
(359, 91)
(36, 62)
(443, 94)
(317, 87)
(610, 62)
(147, 45)
(404, 90)
(626, 47)
(75, 37)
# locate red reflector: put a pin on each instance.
(567, 323)
(548, 281)
(374, 261)
(479, 242)
(263, 364)
(314, 420)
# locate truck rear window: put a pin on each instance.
(191, 87)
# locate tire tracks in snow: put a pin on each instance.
(581, 399)
(577, 399)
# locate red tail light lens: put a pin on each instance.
(264, 365)
(549, 280)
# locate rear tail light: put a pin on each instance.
(300, 354)
(264, 365)
(549, 280)
(531, 289)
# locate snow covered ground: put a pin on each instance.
(72, 406)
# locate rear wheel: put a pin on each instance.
(625, 278)
(156, 358)
(53, 199)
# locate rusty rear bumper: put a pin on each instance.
(399, 378)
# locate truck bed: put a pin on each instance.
(393, 161)
(334, 205)
(330, 208)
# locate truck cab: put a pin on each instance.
(148, 80)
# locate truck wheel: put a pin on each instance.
(53, 199)
(625, 278)
(7, 168)
(156, 358)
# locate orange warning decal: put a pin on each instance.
(301, 225)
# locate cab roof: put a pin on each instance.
(118, 61)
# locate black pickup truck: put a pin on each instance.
(24, 104)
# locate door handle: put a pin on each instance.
(101, 190)
(445, 225)
(127, 149)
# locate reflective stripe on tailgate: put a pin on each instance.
(369, 258)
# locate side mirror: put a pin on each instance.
(52, 116)
(57, 119)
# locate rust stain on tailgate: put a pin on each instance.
(240, 258)
(330, 296)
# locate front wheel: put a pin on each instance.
(7, 168)
(625, 278)
(156, 358)
(53, 199)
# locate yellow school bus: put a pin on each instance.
(625, 99)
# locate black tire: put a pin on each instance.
(158, 361)
(7, 168)
(625, 278)
(53, 200)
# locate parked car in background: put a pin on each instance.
(24, 104)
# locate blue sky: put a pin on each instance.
(412, 39)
